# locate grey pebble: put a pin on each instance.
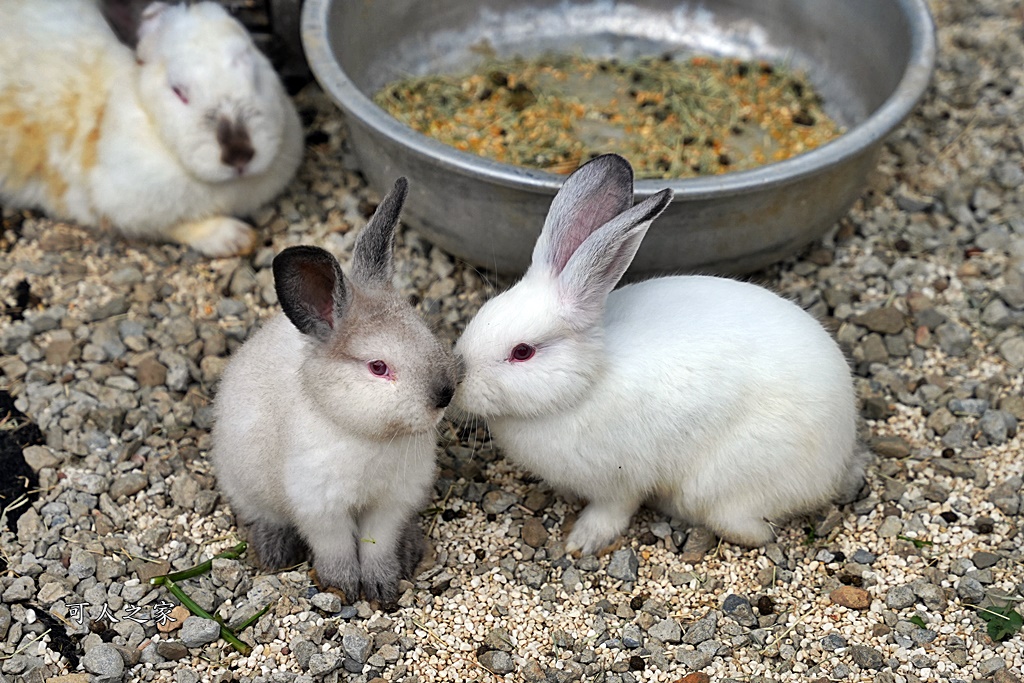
(499, 639)
(196, 631)
(970, 590)
(739, 609)
(931, 595)
(497, 661)
(953, 338)
(694, 660)
(105, 662)
(991, 665)
(863, 557)
(900, 597)
(356, 643)
(867, 657)
(302, 650)
(984, 560)
(22, 588)
(328, 602)
(667, 631)
(322, 663)
(833, 642)
(701, 630)
(172, 650)
(624, 565)
(631, 636)
(497, 501)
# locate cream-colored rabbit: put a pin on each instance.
(166, 142)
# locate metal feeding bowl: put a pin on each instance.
(870, 61)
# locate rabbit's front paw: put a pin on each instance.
(411, 546)
(598, 526)
(217, 237)
(277, 547)
(380, 580)
(341, 573)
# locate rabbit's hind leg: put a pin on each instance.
(740, 527)
(216, 237)
(277, 546)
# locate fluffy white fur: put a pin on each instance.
(94, 132)
(714, 400)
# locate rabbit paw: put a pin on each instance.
(598, 526)
(216, 237)
(277, 547)
(341, 573)
(410, 549)
(380, 580)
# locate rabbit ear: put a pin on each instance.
(311, 289)
(373, 256)
(596, 266)
(126, 17)
(597, 192)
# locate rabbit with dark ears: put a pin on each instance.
(325, 420)
(165, 142)
(714, 400)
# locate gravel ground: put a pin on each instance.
(113, 349)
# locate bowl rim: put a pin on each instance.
(870, 132)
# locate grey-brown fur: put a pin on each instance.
(326, 419)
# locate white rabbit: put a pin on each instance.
(714, 400)
(165, 142)
(325, 420)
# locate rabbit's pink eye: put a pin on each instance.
(522, 352)
(379, 368)
(180, 93)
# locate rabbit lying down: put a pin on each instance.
(325, 419)
(714, 400)
(165, 142)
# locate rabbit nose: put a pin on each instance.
(235, 146)
(444, 395)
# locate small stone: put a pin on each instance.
(867, 657)
(890, 527)
(1004, 676)
(104, 661)
(499, 639)
(150, 372)
(624, 565)
(693, 659)
(533, 533)
(833, 642)
(970, 590)
(497, 662)
(900, 597)
(632, 638)
(984, 560)
(970, 407)
(196, 631)
(302, 650)
(891, 446)
(38, 457)
(174, 620)
(955, 339)
(667, 631)
(328, 602)
(497, 501)
(701, 630)
(740, 610)
(22, 588)
(991, 665)
(851, 597)
(171, 649)
(884, 320)
(128, 485)
(1012, 350)
(357, 644)
(698, 543)
(933, 596)
(863, 557)
(322, 663)
(696, 677)
(537, 500)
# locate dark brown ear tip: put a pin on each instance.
(613, 164)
